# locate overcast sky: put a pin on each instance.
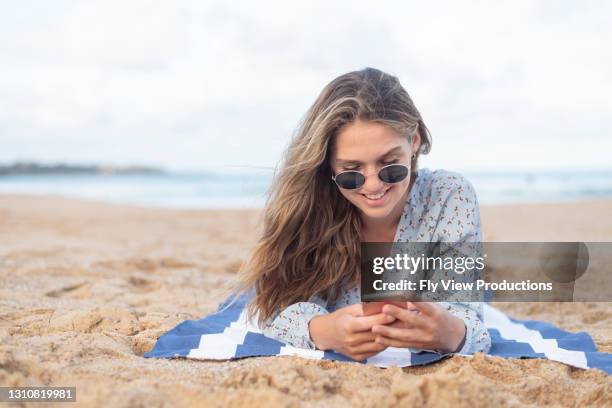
(201, 85)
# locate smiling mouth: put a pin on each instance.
(376, 196)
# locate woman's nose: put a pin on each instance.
(372, 184)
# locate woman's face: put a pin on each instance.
(367, 147)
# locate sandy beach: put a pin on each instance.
(86, 288)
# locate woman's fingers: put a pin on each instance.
(400, 325)
(405, 315)
(391, 342)
(399, 333)
(360, 337)
(363, 323)
(369, 347)
(428, 308)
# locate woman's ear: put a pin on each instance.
(416, 141)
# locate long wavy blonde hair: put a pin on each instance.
(310, 242)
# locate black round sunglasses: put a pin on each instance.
(353, 179)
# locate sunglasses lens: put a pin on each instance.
(350, 180)
(393, 174)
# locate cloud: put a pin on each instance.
(206, 84)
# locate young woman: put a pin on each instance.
(350, 175)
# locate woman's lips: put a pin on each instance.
(375, 200)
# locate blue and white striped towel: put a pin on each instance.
(227, 334)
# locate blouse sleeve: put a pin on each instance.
(459, 225)
(477, 337)
(290, 326)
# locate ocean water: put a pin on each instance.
(207, 190)
(186, 190)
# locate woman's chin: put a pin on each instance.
(376, 212)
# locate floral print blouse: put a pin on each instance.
(441, 207)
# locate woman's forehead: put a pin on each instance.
(363, 141)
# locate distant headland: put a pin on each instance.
(31, 168)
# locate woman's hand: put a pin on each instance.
(433, 328)
(348, 332)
